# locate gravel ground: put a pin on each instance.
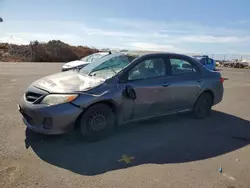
(174, 151)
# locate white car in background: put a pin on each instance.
(78, 64)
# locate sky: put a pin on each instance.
(190, 26)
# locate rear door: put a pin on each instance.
(184, 82)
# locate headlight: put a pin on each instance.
(54, 99)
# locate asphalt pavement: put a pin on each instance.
(174, 151)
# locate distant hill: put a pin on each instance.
(52, 51)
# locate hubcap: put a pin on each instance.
(97, 122)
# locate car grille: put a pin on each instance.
(32, 97)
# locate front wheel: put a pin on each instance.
(203, 105)
(97, 122)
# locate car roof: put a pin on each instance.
(116, 54)
(102, 53)
(201, 56)
(165, 53)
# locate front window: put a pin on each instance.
(106, 67)
(150, 68)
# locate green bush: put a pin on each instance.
(53, 51)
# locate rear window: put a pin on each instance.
(180, 66)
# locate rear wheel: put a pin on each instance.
(97, 122)
(203, 105)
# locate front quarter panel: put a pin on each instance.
(105, 92)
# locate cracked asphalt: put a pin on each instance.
(174, 151)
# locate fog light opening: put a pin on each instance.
(47, 123)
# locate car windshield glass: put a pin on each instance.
(92, 57)
(106, 66)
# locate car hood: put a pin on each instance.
(74, 63)
(69, 81)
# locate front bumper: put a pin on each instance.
(57, 119)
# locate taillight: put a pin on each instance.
(222, 79)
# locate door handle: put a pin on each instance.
(165, 84)
(199, 81)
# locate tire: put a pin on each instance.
(203, 105)
(97, 122)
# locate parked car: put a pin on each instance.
(209, 63)
(112, 91)
(78, 64)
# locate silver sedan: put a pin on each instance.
(112, 91)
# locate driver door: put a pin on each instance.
(147, 78)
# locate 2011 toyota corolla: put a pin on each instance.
(111, 91)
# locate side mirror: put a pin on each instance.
(129, 92)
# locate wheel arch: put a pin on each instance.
(209, 91)
(112, 104)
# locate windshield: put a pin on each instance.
(106, 66)
(93, 57)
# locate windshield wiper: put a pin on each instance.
(112, 69)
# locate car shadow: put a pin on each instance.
(171, 139)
